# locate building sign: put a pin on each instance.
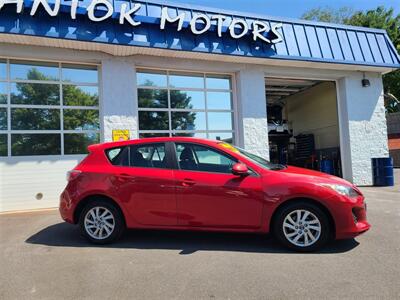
(200, 23)
(120, 135)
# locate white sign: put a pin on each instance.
(199, 24)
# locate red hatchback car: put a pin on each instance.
(196, 184)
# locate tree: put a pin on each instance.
(378, 18)
(329, 15)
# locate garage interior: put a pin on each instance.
(303, 124)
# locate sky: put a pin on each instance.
(290, 8)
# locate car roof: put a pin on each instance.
(109, 145)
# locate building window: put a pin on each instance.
(185, 104)
(47, 108)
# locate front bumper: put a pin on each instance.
(354, 220)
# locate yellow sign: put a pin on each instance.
(120, 135)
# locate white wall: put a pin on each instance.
(314, 111)
(363, 126)
(253, 122)
(118, 97)
(21, 179)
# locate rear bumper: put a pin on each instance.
(66, 208)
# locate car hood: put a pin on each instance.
(319, 177)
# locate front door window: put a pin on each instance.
(200, 158)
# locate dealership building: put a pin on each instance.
(73, 73)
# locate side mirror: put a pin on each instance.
(240, 169)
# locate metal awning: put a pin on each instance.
(301, 40)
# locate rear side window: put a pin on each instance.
(143, 156)
(148, 156)
(118, 156)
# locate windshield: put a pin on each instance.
(255, 158)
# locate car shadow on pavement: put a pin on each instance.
(67, 235)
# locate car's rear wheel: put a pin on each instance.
(101, 222)
(302, 226)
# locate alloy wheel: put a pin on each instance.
(99, 222)
(302, 228)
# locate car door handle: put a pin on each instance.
(124, 175)
(188, 182)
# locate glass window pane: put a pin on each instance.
(184, 80)
(79, 73)
(218, 82)
(3, 118)
(149, 156)
(153, 120)
(187, 99)
(3, 69)
(217, 100)
(199, 158)
(188, 120)
(153, 98)
(221, 136)
(220, 121)
(77, 143)
(200, 135)
(3, 93)
(35, 119)
(151, 78)
(29, 70)
(151, 135)
(78, 95)
(119, 156)
(35, 94)
(3, 144)
(81, 119)
(35, 144)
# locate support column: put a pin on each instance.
(252, 108)
(363, 131)
(118, 97)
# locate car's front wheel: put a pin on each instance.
(101, 222)
(302, 226)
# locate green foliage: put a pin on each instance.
(154, 98)
(49, 118)
(381, 18)
(329, 15)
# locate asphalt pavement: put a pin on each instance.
(43, 258)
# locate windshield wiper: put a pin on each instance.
(278, 167)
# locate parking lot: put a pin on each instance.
(41, 257)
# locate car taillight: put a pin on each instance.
(71, 175)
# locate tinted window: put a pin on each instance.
(148, 156)
(144, 156)
(201, 158)
(118, 156)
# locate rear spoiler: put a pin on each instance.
(92, 148)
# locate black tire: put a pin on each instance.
(118, 222)
(291, 210)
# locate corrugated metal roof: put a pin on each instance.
(302, 40)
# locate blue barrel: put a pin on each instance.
(326, 166)
(383, 171)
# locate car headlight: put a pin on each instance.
(342, 190)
